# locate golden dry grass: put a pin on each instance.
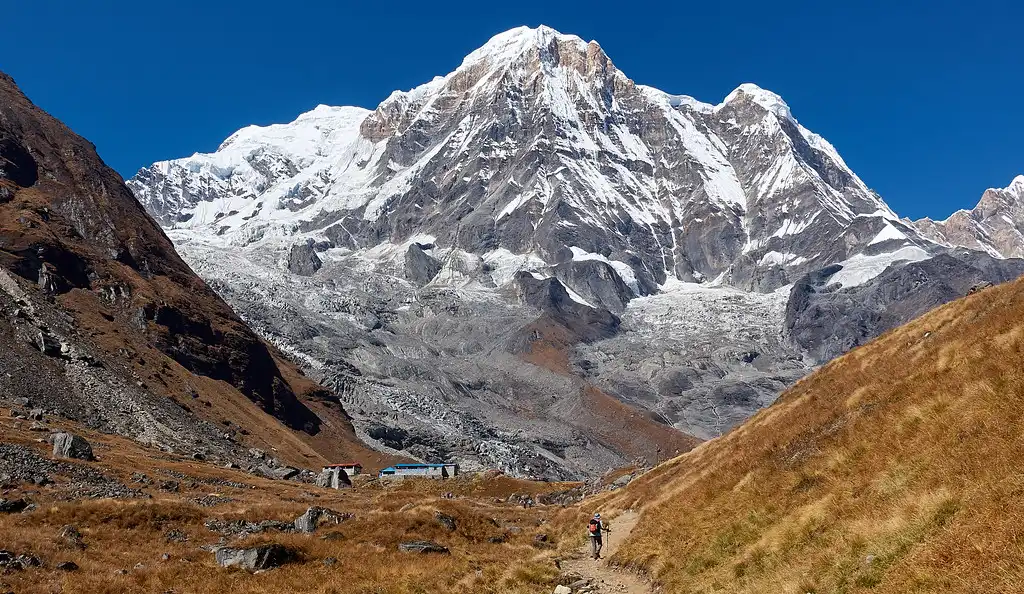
(122, 534)
(895, 468)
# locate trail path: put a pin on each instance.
(606, 579)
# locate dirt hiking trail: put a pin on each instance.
(603, 578)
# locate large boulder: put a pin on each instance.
(303, 259)
(314, 516)
(422, 546)
(278, 473)
(597, 282)
(420, 267)
(257, 558)
(333, 478)
(448, 522)
(67, 445)
(12, 506)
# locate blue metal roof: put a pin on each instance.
(422, 465)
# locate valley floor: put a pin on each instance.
(141, 520)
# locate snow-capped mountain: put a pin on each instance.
(534, 263)
(994, 226)
(537, 145)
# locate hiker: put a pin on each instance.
(595, 528)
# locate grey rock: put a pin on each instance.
(12, 506)
(420, 267)
(70, 537)
(333, 478)
(36, 414)
(170, 486)
(622, 481)
(309, 521)
(827, 321)
(314, 517)
(303, 260)
(423, 547)
(279, 473)
(14, 561)
(445, 520)
(175, 535)
(259, 558)
(67, 445)
(66, 566)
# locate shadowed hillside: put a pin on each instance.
(895, 468)
(103, 323)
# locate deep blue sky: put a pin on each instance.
(924, 100)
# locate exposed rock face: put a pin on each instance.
(994, 226)
(102, 322)
(422, 547)
(66, 445)
(333, 478)
(303, 259)
(12, 506)
(420, 268)
(827, 320)
(314, 516)
(257, 558)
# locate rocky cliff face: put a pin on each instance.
(520, 263)
(994, 226)
(826, 320)
(104, 323)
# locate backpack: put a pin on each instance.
(593, 527)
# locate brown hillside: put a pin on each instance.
(81, 259)
(493, 543)
(896, 468)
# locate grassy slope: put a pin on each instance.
(896, 468)
(119, 534)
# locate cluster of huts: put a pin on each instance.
(339, 476)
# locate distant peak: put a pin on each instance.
(510, 44)
(767, 99)
(1017, 185)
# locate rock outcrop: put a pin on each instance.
(826, 320)
(422, 547)
(67, 445)
(302, 259)
(259, 558)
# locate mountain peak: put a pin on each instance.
(511, 44)
(1017, 186)
(768, 100)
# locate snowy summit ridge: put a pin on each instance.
(995, 226)
(538, 145)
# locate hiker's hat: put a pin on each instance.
(598, 516)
